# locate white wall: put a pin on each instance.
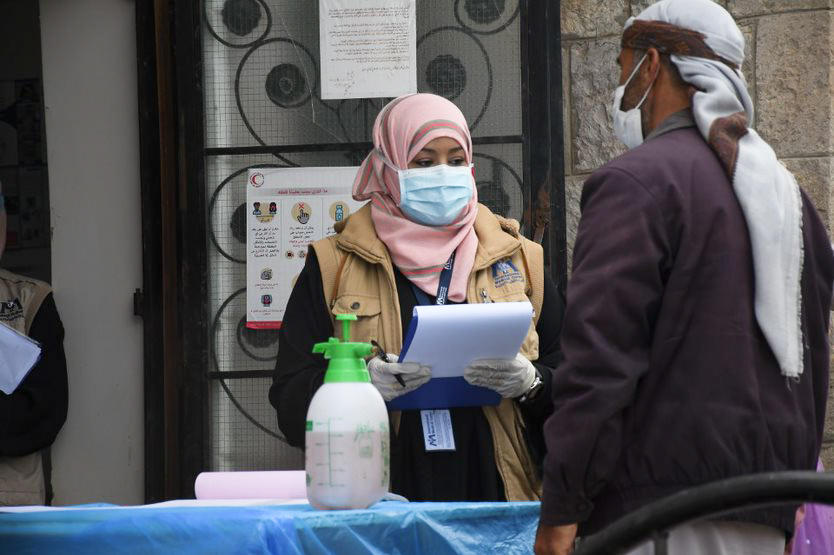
(89, 75)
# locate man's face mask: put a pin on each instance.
(628, 126)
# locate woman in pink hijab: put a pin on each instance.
(422, 238)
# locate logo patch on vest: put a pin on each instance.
(504, 272)
(11, 310)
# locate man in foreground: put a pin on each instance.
(695, 338)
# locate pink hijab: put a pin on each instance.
(401, 130)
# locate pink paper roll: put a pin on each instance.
(279, 484)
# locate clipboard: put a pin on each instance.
(18, 355)
(447, 338)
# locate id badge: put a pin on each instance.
(437, 430)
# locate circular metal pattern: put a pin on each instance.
(493, 197)
(484, 11)
(238, 19)
(356, 119)
(446, 76)
(486, 17)
(237, 222)
(241, 17)
(257, 338)
(215, 330)
(265, 54)
(476, 90)
(286, 86)
(502, 193)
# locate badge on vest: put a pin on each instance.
(11, 310)
(437, 430)
(504, 272)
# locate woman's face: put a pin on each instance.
(442, 150)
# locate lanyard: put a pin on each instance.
(434, 420)
(442, 286)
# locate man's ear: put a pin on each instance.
(652, 64)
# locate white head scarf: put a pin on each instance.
(767, 192)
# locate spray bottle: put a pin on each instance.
(347, 441)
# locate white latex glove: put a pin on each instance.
(509, 378)
(382, 376)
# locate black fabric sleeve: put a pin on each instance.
(32, 416)
(298, 372)
(549, 328)
(535, 411)
(614, 295)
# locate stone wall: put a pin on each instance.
(790, 69)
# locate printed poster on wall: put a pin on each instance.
(287, 209)
(368, 48)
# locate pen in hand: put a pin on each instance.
(384, 357)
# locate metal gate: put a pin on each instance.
(256, 102)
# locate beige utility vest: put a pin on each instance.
(358, 278)
(21, 478)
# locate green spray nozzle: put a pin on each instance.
(346, 319)
(347, 360)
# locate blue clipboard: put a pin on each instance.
(441, 393)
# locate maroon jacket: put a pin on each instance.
(667, 381)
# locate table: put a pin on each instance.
(387, 527)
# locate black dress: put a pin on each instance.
(466, 474)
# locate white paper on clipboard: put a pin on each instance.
(18, 354)
(448, 337)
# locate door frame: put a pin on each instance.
(172, 301)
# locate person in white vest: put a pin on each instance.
(33, 414)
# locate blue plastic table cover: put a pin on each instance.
(387, 527)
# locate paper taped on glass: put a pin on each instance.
(287, 210)
(368, 48)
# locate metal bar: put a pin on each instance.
(194, 320)
(661, 543)
(710, 500)
(170, 264)
(336, 147)
(239, 374)
(151, 253)
(544, 159)
(322, 147)
(527, 44)
(557, 238)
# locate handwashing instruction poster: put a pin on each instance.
(287, 209)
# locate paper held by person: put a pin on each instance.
(447, 338)
(18, 355)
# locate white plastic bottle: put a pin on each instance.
(347, 440)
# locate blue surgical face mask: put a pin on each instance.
(437, 195)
